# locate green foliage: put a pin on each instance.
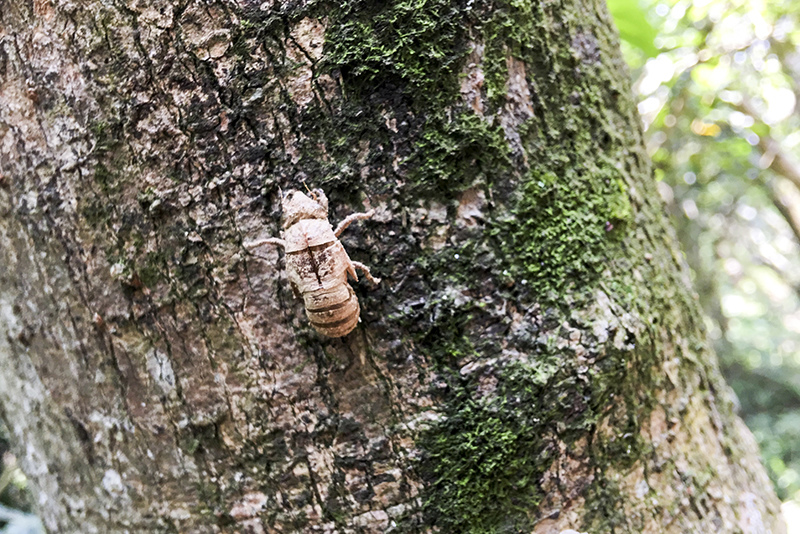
(633, 26)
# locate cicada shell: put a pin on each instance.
(317, 264)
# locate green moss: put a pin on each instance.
(485, 458)
(508, 31)
(96, 212)
(153, 269)
(604, 509)
(98, 209)
(106, 135)
(479, 465)
(146, 198)
(457, 266)
(106, 179)
(191, 445)
(563, 230)
(452, 155)
(414, 43)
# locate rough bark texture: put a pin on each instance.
(533, 361)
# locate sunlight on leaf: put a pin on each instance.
(633, 26)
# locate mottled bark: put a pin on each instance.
(533, 360)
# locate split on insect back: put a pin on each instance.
(317, 264)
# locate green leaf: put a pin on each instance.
(633, 26)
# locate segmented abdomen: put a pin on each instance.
(319, 272)
(332, 311)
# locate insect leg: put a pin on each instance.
(270, 241)
(364, 269)
(351, 219)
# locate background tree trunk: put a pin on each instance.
(533, 361)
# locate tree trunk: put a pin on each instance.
(533, 360)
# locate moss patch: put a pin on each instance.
(563, 230)
(508, 30)
(484, 459)
(414, 43)
(453, 155)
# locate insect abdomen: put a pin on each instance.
(332, 311)
(317, 265)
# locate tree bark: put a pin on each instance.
(533, 361)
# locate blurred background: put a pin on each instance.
(718, 84)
